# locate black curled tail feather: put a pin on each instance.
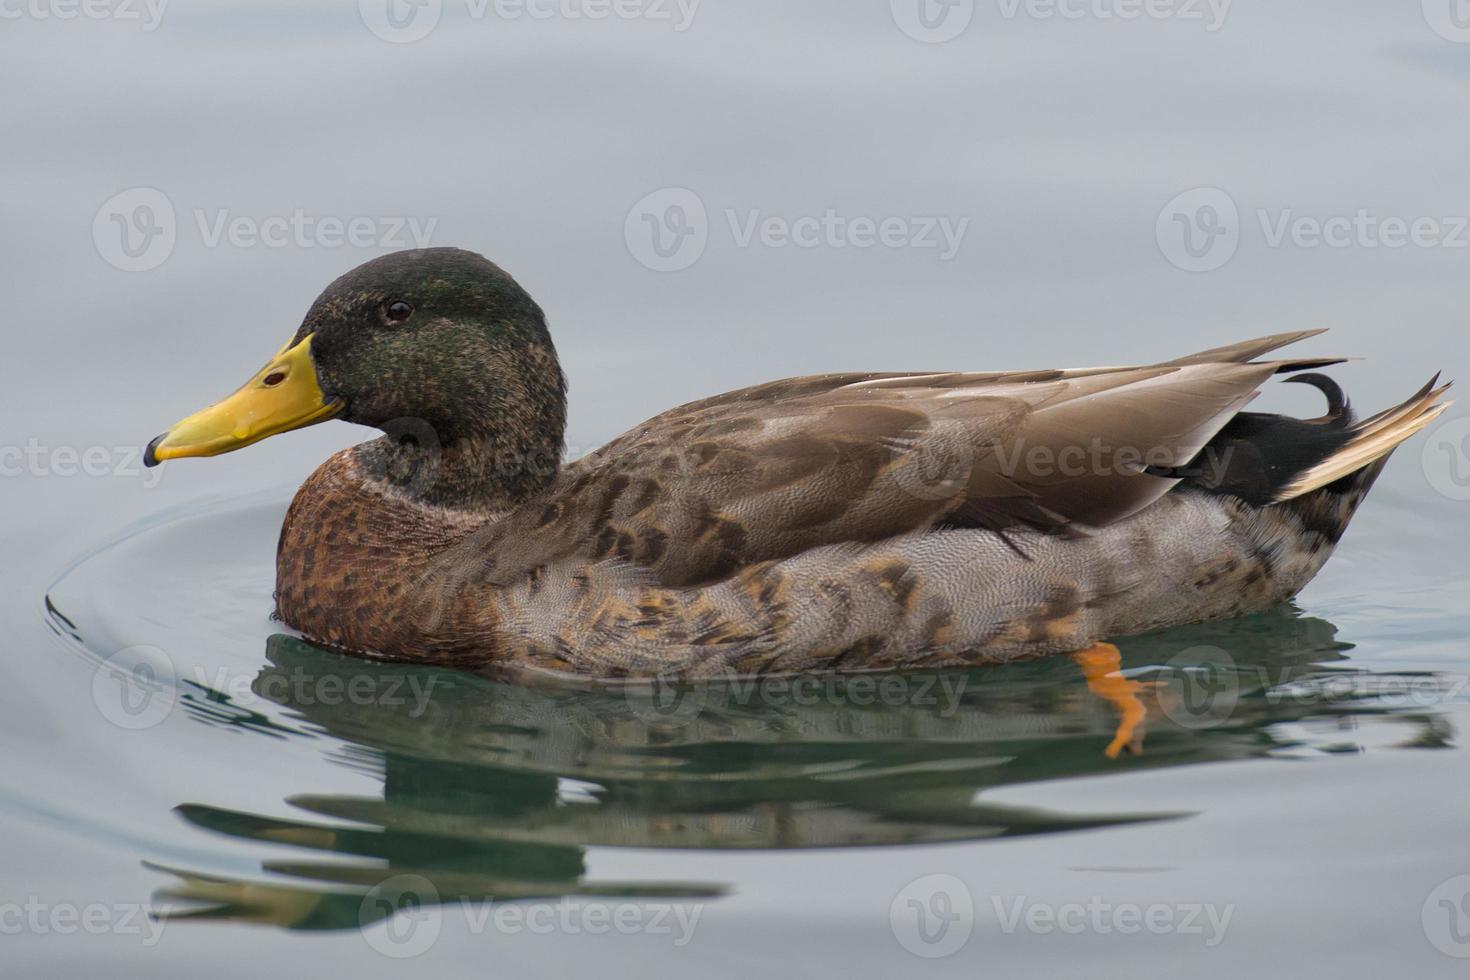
(1372, 441)
(1339, 409)
(1266, 459)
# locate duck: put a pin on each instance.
(836, 522)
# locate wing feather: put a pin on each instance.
(766, 472)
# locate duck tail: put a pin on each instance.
(1318, 470)
(1366, 443)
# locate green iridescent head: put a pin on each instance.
(435, 340)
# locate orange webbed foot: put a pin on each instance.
(1101, 665)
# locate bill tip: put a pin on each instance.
(150, 458)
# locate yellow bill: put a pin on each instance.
(283, 395)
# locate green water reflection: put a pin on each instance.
(494, 790)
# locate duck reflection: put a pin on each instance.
(494, 787)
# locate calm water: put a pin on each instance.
(1300, 794)
(188, 791)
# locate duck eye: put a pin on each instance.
(398, 311)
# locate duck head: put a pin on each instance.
(437, 346)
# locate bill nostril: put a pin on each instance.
(274, 378)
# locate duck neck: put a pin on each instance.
(485, 463)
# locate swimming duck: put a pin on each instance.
(851, 521)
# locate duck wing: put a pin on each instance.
(704, 490)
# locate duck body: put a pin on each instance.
(359, 578)
(835, 522)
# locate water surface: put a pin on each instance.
(1297, 768)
